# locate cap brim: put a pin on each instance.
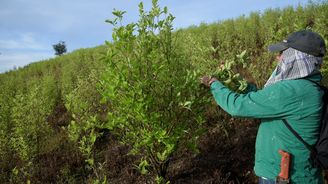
(278, 47)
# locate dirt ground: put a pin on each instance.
(226, 156)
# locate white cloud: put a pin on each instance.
(25, 41)
(10, 60)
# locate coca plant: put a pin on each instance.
(152, 90)
(228, 72)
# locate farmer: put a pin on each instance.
(288, 94)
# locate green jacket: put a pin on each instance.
(298, 101)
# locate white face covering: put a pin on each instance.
(295, 65)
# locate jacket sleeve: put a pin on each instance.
(271, 102)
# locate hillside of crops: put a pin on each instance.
(133, 110)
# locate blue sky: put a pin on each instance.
(29, 28)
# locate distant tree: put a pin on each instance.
(60, 48)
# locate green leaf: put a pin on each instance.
(112, 22)
(187, 104)
(141, 7)
(165, 10)
(242, 54)
(143, 167)
(118, 13)
(162, 156)
(90, 161)
(15, 171)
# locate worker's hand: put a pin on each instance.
(207, 80)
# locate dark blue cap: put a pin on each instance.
(305, 41)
